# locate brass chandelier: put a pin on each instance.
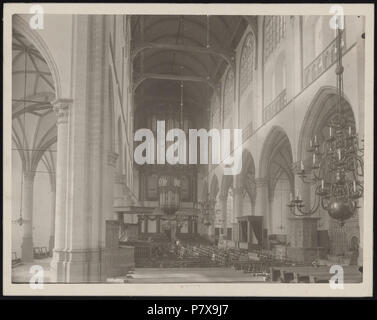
(337, 165)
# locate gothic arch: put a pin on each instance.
(276, 139)
(276, 168)
(320, 110)
(19, 24)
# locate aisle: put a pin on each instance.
(187, 275)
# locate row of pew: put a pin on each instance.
(40, 252)
(310, 274)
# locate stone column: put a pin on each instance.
(223, 205)
(62, 108)
(118, 189)
(262, 207)
(111, 167)
(82, 193)
(27, 215)
(238, 210)
(52, 223)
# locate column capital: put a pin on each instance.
(61, 108)
(112, 158)
(29, 175)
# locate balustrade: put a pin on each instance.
(275, 106)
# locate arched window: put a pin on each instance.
(228, 93)
(247, 62)
(274, 31)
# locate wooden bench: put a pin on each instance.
(40, 252)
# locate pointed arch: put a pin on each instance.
(19, 24)
(320, 111)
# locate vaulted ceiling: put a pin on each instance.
(34, 122)
(173, 48)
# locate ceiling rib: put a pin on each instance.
(144, 76)
(228, 56)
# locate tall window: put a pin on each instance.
(247, 62)
(228, 94)
(274, 31)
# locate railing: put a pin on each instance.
(322, 62)
(275, 106)
(247, 131)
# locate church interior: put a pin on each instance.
(86, 211)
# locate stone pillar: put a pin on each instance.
(303, 240)
(111, 165)
(262, 207)
(52, 223)
(62, 108)
(82, 192)
(118, 189)
(223, 206)
(238, 210)
(27, 215)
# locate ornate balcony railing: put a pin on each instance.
(275, 106)
(247, 131)
(321, 63)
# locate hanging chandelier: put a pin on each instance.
(337, 165)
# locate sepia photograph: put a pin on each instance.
(207, 149)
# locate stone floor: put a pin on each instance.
(190, 275)
(21, 274)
